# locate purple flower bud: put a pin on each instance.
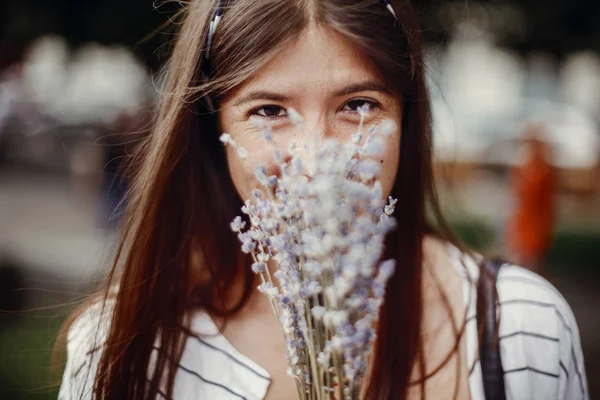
(318, 312)
(297, 164)
(272, 181)
(248, 247)
(364, 109)
(225, 138)
(387, 127)
(264, 287)
(285, 301)
(278, 157)
(386, 270)
(237, 224)
(258, 267)
(378, 289)
(261, 174)
(267, 132)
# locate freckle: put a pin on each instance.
(381, 161)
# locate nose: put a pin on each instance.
(310, 132)
(315, 124)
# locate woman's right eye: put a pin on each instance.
(269, 112)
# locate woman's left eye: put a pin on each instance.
(270, 111)
(355, 105)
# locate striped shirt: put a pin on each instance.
(539, 345)
(539, 339)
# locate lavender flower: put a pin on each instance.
(267, 130)
(295, 117)
(323, 222)
(237, 224)
(243, 153)
(225, 138)
(259, 267)
(228, 140)
(387, 127)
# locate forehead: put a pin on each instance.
(319, 60)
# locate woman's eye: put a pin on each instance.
(354, 105)
(270, 111)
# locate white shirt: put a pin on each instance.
(539, 338)
(539, 345)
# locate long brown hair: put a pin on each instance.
(183, 199)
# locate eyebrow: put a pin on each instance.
(365, 86)
(369, 85)
(262, 95)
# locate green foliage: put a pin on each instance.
(572, 251)
(576, 250)
(475, 233)
(25, 357)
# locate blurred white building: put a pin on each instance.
(93, 85)
(484, 96)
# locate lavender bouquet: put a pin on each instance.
(316, 236)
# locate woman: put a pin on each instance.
(182, 318)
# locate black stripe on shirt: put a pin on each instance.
(74, 376)
(163, 395)
(574, 360)
(540, 304)
(525, 333)
(197, 375)
(564, 369)
(93, 350)
(160, 392)
(473, 367)
(231, 357)
(537, 371)
(523, 279)
(78, 370)
(564, 322)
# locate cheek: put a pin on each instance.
(241, 173)
(242, 170)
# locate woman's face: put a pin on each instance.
(324, 77)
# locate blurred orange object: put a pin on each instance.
(532, 221)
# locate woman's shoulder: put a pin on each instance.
(86, 337)
(521, 292)
(519, 286)
(538, 332)
(90, 328)
(534, 305)
(209, 366)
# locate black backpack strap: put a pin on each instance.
(489, 348)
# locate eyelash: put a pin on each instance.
(254, 112)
